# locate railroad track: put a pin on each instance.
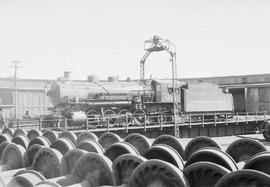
(55, 159)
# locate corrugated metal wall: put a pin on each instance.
(258, 99)
(36, 102)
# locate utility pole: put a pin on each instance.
(15, 66)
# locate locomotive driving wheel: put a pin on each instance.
(139, 117)
(124, 117)
(93, 118)
(110, 118)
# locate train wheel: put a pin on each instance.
(140, 142)
(107, 139)
(26, 178)
(93, 118)
(47, 161)
(259, 162)
(19, 132)
(30, 154)
(199, 142)
(69, 135)
(165, 153)
(5, 137)
(50, 135)
(13, 157)
(124, 165)
(120, 148)
(41, 140)
(8, 131)
(110, 118)
(2, 147)
(204, 173)
(243, 149)
(91, 146)
(86, 135)
(33, 133)
(171, 141)
(70, 159)
(266, 135)
(214, 155)
(139, 117)
(244, 177)
(124, 117)
(21, 140)
(47, 184)
(157, 173)
(63, 145)
(94, 168)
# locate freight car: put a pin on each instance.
(140, 99)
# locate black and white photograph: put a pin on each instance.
(146, 93)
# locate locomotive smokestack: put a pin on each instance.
(67, 75)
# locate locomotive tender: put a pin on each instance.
(76, 100)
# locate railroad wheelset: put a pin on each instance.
(21, 140)
(204, 173)
(86, 135)
(41, 140)
(118, 149)
(199, 142)
(243, 149)
(12, 157)
(171, 141)
(33, 133)
(8, 131)
(24, 178)
(69, 135)
(259, 162)
(140, 142)
(91, 146)
(214, 155)
(47, 161)
(123, 167)
(157, 173)
(5, 137)
(70, 159)
(245, 177)
(31, 153)
(107, 139)
(50, 135)
(19, 132)
(165, 153)
(91, 169)
(63, 145)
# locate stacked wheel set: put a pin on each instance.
(51, 159)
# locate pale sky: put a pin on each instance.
(105, 37)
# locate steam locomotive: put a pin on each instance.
(119, 101)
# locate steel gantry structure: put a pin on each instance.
(159, 44)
